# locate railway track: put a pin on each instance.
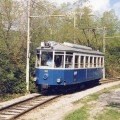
(19, 108)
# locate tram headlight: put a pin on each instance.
(59, 80)
(45, 76)
(35, 79)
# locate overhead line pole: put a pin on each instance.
(104, 33)
(28, 47)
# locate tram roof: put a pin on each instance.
(68, 48)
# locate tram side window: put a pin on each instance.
(59, 60)
(82, 61)
(86, 61)
(91, 59)
(98, 62)
(76, 61)
(95, 59)
(102, 62)
(68, 61)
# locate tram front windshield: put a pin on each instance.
(46, 58)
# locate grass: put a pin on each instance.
(92, 97)
(110, 114)
(7, 97)
(80, 114)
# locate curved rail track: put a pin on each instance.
(19, 108)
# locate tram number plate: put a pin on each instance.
(75, 72)
(45, 70)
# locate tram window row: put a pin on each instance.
(69, 60)
(83, 61)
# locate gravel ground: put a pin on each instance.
(64, 105)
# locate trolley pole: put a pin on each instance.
(104, 33)
(28, 46)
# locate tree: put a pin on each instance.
(11, 49)
(110, 21)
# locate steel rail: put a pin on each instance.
(19, 108)
(18, 102)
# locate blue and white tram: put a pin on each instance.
(62, 64)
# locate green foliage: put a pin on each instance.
(12, 77)
(80, 114)
(113, 57)
(7, 97)
(110, 21)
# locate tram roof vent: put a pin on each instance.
(48, 44)
(52, 43)
(77, 46)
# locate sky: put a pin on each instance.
(98, 5)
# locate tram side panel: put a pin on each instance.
(83, 75)
(66, 77)
(94, 74)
